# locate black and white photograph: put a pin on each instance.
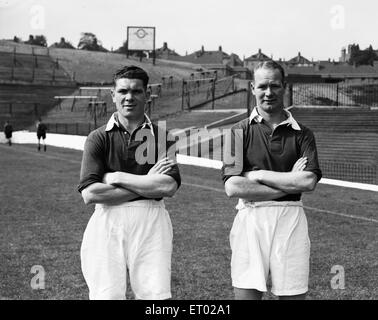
(194, 152)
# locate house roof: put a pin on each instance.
(206, 57)
(258, 56)
(299, 59)
(164, 49)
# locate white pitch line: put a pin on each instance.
(305, 207)
(217, 164)
(342, 214)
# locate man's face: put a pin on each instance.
(269, 90)
(129, 96)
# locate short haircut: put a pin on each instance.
(271, 65)
(131, 72)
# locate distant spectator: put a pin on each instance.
(8, 129)
(41, 133)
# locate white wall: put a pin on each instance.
(52, 139)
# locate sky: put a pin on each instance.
(318, 29)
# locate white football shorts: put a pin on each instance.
(136, 236)
(270, 236)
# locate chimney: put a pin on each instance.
(202, 49)
(220, 48)
(299, 54)
(165, 46)
(259, 51)
(62, 40)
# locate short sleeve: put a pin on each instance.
(168, 150)
(233, 153)
(308, 149)
(93, 161)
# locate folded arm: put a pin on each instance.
(295, 181)
(289, 182)
(156, 184)
(106, 194)
(251, 190)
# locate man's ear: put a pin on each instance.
(252, 87)
(147, 92)
(112, 94)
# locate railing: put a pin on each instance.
(335, 94)
(354, 172)
(29, 64)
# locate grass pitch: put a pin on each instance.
(42, 220)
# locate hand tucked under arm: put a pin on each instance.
(250, 189)
(106, 194)
(295, 181)
(289, 182)
(155, 184)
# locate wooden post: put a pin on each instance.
(213, 94)
(95, 113)
(73, 104)
(182, 94)
(153, 51)
(337, 94)
(14, 56)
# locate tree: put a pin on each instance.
(362, 57)
(62, 44)
(89, 41)
(134, 53)
(37, 40)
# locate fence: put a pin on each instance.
(198, 92)
(335, 94)
(354, 172)
(30, 64)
